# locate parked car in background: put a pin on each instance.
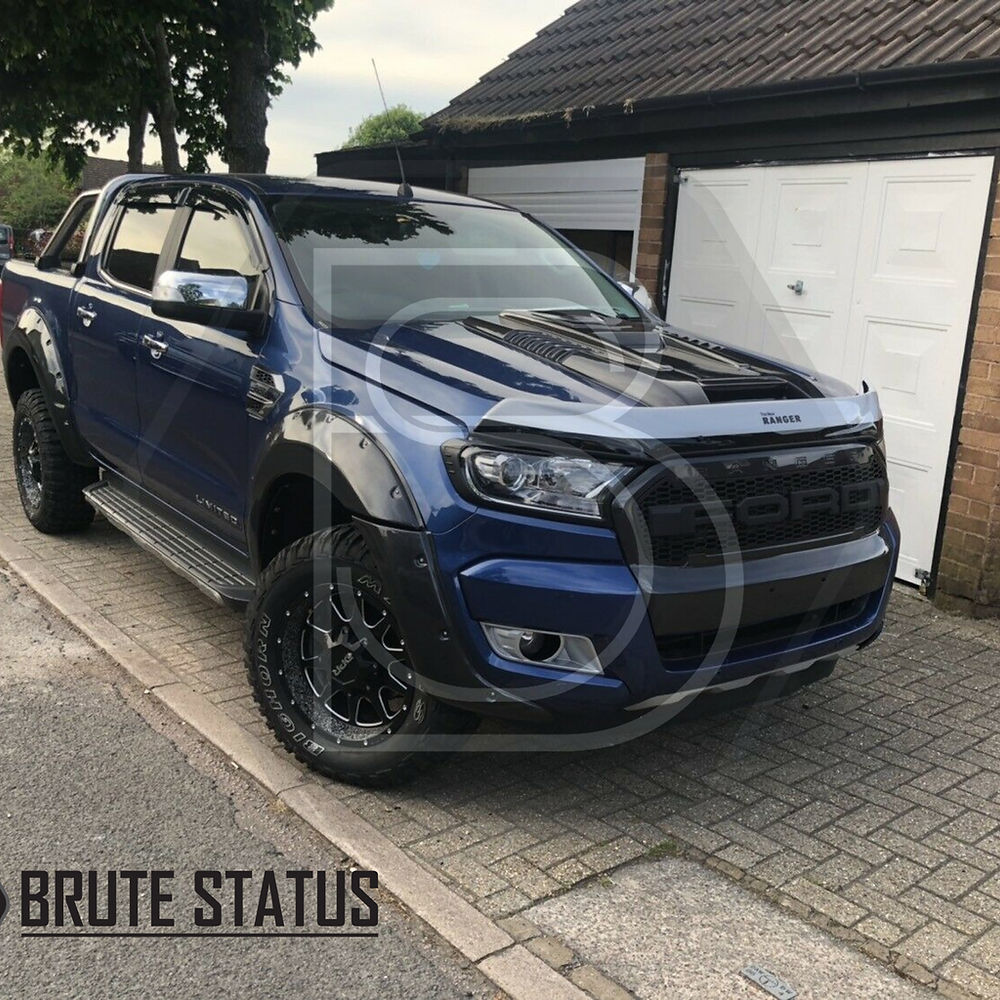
(6, 244)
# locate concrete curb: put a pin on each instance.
(510, 966)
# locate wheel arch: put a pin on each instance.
(32, 361)
(318, 470)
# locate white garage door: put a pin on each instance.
(591, 194)
(861, 270)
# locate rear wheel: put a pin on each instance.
(49, 483)
(329, 667)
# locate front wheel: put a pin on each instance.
(329, 667)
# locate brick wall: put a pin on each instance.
(655, 193)
(969, 573)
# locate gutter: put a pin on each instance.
(962, 70)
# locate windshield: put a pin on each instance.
(361, 262)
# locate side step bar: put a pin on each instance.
(207, 569)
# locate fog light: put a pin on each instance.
(539, 646)
(545, 649)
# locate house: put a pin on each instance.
(814, 179)
(98, 170)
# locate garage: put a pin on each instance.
(865, 270)
(596, 204)
(723, 155)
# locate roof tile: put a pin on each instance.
(602, 52)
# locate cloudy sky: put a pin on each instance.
(427, 52)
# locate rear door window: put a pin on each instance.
(138, 240)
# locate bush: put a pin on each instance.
(33, 194)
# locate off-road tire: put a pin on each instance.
(280, 621)
(49, 483)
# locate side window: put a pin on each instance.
(216, 243)
(69, 252)
(64, 248)
(138, 240)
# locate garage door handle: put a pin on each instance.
(799, 287)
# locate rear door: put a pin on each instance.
(192, 396)
(106, 312)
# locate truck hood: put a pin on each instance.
(519, 364)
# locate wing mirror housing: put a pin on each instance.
(220, 300)
(638, 292)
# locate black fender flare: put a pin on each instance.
(335, 452)
(33, 336)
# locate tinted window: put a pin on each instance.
(66, 244)
(216, 243)
(139, 239)
(360, 262)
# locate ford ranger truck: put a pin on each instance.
(447, 466)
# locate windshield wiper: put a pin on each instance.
(570, 313)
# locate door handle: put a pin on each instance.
(86, 315)
(799, 287)
(157, 347)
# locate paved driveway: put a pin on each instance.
(869, 803)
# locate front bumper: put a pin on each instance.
(663, 635)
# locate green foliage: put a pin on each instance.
(665, 849)
(33, 193)
(67, 73)
(231, 60)
(394, 125)
(73, 72)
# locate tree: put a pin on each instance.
(394, 125)
(33, 193)
(248, 42)
(72, 73)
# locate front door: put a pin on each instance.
(193, 381)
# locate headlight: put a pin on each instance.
(555, 483)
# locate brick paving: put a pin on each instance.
(869, 803)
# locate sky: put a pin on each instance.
(427, 52)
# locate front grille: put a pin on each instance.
(685, 652)
(764, 502)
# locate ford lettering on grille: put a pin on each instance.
(696, 511)
(772, 508)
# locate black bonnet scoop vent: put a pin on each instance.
(541, 345)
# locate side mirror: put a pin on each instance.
(220, 300)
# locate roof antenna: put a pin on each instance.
(404, 191)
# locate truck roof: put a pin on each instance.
(270, 184)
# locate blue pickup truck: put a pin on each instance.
(448, 466)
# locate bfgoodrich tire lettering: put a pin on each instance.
(329, 669)
(49, 483)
